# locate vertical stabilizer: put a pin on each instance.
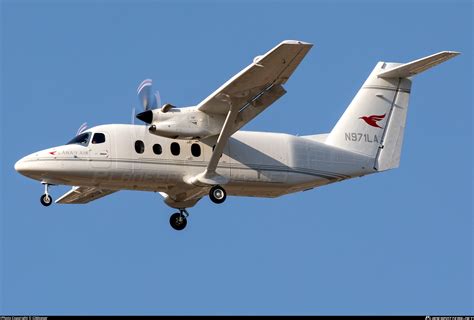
(374, 122)
(364, 124)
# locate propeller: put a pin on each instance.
(81, 128)
(148, 100)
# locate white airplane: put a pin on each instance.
(187, 153)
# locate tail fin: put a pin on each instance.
(374, 122)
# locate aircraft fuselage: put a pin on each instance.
(255, 163)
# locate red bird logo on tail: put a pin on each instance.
(373, 119)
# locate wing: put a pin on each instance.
(259, 85)
(247, 94)
(83, 195)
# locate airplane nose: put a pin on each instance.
(20, 166)
(34, 165)
(25, 166)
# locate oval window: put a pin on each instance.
(175, 148)
(139, 146)
(157, 149)
(196, 150)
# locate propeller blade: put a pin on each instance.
(81, 128)
(158, 99)
(147, 99)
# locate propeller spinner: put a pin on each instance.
(148, 100)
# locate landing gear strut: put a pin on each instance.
(178, 220)
(217, 194)
(46, 199)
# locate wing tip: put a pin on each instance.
(453, 53)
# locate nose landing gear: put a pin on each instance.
(46, 199)
(178, 220)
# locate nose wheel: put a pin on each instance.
(178, 220)
(217, 194)
(46, 199)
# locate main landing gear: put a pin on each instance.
(217, 194)
(46, 198)
(178, 220)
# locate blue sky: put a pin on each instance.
(400, 242)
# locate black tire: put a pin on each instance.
(217, 194)
(46, 200)
(178, 221)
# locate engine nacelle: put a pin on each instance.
(176, 130)
(184, 123)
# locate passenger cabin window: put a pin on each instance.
(139, 146)
(82, 139)
(195, 150)
(175, 149)
(157, 149)
(98, 138)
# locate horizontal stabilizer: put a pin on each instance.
(412, 68)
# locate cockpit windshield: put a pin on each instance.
(82, 139)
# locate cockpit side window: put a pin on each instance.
(82, 139)
(98, 138)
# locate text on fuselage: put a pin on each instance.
(364, 137)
